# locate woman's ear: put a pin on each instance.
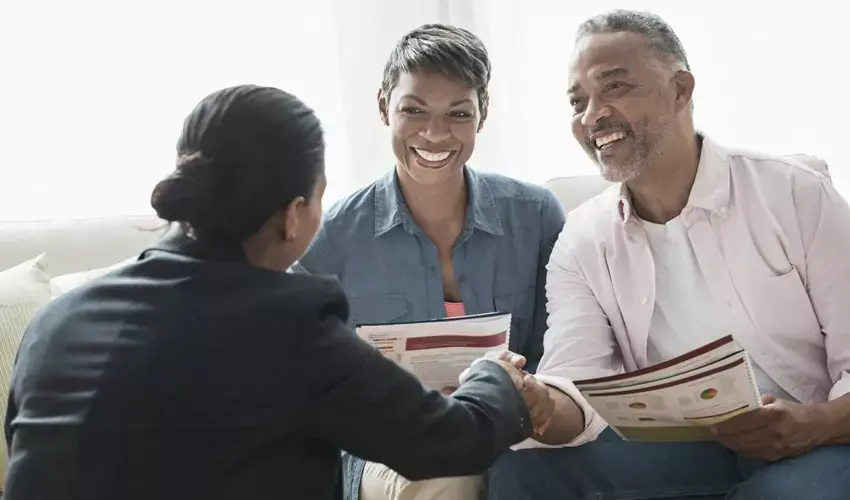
(291, 217)
(485, 107)
(382, 107)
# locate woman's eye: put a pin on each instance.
(411, 111)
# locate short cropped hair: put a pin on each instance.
(455, 52)
(662, 40)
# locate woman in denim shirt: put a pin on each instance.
(433, 237)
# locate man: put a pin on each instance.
(694, 242)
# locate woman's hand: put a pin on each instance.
(536, 394)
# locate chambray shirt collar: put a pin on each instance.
(711, 189)
(391, 210)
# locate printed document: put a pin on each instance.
(437, 351)
(678, 399)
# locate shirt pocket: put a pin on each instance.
(520, 303)
(378, 308)
(781, 307)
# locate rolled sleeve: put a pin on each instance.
(579, 342)
(593, 422)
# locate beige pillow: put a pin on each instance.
(24, 290)
(67, 282)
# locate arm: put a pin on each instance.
(825, 224)
(552, 223)
(579, 344)
(366, 404)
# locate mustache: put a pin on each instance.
(603, 126)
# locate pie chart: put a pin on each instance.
(709, 393)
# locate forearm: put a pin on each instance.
(567, 422)
(837, 417)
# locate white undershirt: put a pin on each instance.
(686, 316)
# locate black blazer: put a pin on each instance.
(192, 375)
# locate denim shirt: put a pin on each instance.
(390, 269)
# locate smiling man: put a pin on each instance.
(695, 241)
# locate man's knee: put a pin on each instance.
(822, 473)
(517, 475)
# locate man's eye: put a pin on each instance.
(614, 86)
(577, 104)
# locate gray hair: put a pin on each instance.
(660, 37)
(452, 51)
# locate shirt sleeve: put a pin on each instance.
(825, 223)
(579, 342)
(552, 223)
(366, 404)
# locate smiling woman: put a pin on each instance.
(434, 237)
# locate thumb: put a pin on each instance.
(767, 399)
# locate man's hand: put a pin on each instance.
(535, 394)
(780, 429)
(540, 404)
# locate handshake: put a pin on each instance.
(536, 394)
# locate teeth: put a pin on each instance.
(608, 139)
(431, 156)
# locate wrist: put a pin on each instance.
(834, 421)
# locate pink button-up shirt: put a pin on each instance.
(772, 238)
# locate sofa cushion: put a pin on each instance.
(24, 290)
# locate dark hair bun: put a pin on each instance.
(185, 195)
(245, 152)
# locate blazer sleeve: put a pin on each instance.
(369, 406)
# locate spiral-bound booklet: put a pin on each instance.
(679, 399)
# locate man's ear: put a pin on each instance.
(382, 107)
(685, 83)
(485, 108)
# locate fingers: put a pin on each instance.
(515, 359)
(516, 375)
(768, 399)
(744, 423)
(540, 404)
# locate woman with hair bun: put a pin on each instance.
(205, 371)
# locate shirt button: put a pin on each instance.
(723, 210)
(433, 269)
(643, 300)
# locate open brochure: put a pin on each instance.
(678, 399)
(437, 351)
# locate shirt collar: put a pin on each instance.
(391, 210)
(177, 241)
(711, 189)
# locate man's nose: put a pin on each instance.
(595, 112)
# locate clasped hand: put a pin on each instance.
(535, 393)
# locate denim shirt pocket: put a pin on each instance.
(378, 308)
(520, 303)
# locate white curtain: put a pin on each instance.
(93, 93)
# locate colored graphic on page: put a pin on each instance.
(709, 393)
(637, 405)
